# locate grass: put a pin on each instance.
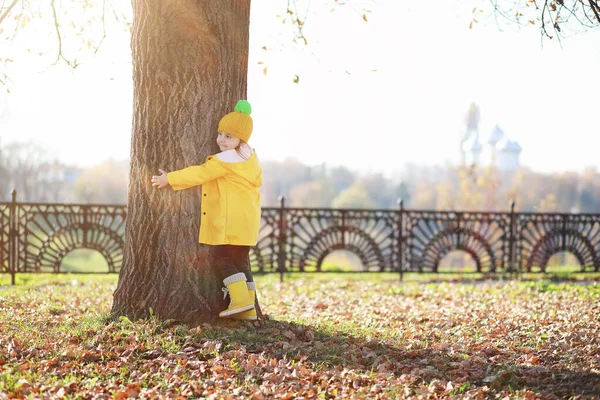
(333, 335)
(83, 260)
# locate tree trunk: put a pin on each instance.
(190, 63)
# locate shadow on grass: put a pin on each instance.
(487, 367)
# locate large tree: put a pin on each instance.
(190, 61)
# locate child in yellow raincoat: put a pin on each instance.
(230, 213)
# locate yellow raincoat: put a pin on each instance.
(230, 212)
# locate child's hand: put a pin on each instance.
(160, 181)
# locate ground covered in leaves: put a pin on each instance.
(332, 336)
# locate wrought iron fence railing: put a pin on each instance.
(36, 237)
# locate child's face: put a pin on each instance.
(226, 141)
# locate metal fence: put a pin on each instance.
(37, 237)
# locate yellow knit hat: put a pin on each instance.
(239, 122)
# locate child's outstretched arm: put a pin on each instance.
(191, 176)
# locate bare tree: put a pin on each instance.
(104, 183)
(28, 168)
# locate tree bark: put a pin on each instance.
(190, 63)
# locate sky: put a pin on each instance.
(372, 96)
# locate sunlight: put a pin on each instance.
(563, 261)
(457, 261)
(341, 260)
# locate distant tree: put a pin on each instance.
(341, 177)
(319, 193)
(269, 193)
(5, 188)
(402, 191)
(382, 190)
(104, 183)
(548, 203)
(281, 176)
(356, 196)
(589, 191)
(588, 202)
(28, 168)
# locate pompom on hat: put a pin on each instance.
(239, 122)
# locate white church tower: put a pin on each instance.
(509, 152)
(472, 150)
(470, 147)
(496, 136)
(498, 150)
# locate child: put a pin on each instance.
(231, 211)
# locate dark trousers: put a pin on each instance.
(230, 259)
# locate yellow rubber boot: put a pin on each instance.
(240, 300)
(249, 315)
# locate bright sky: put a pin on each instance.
(429, 67)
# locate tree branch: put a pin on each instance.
(299, 22)
(595, 9)
(56, 25)
(103, 27)
(543, 17)
(559, 13)
(57, 31)
(14, 3)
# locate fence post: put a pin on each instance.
(511, 241)
(13, 252)
(563, 228)
(400, 237)
(282, 238)
(85, 226)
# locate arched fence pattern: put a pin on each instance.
(37, 237)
